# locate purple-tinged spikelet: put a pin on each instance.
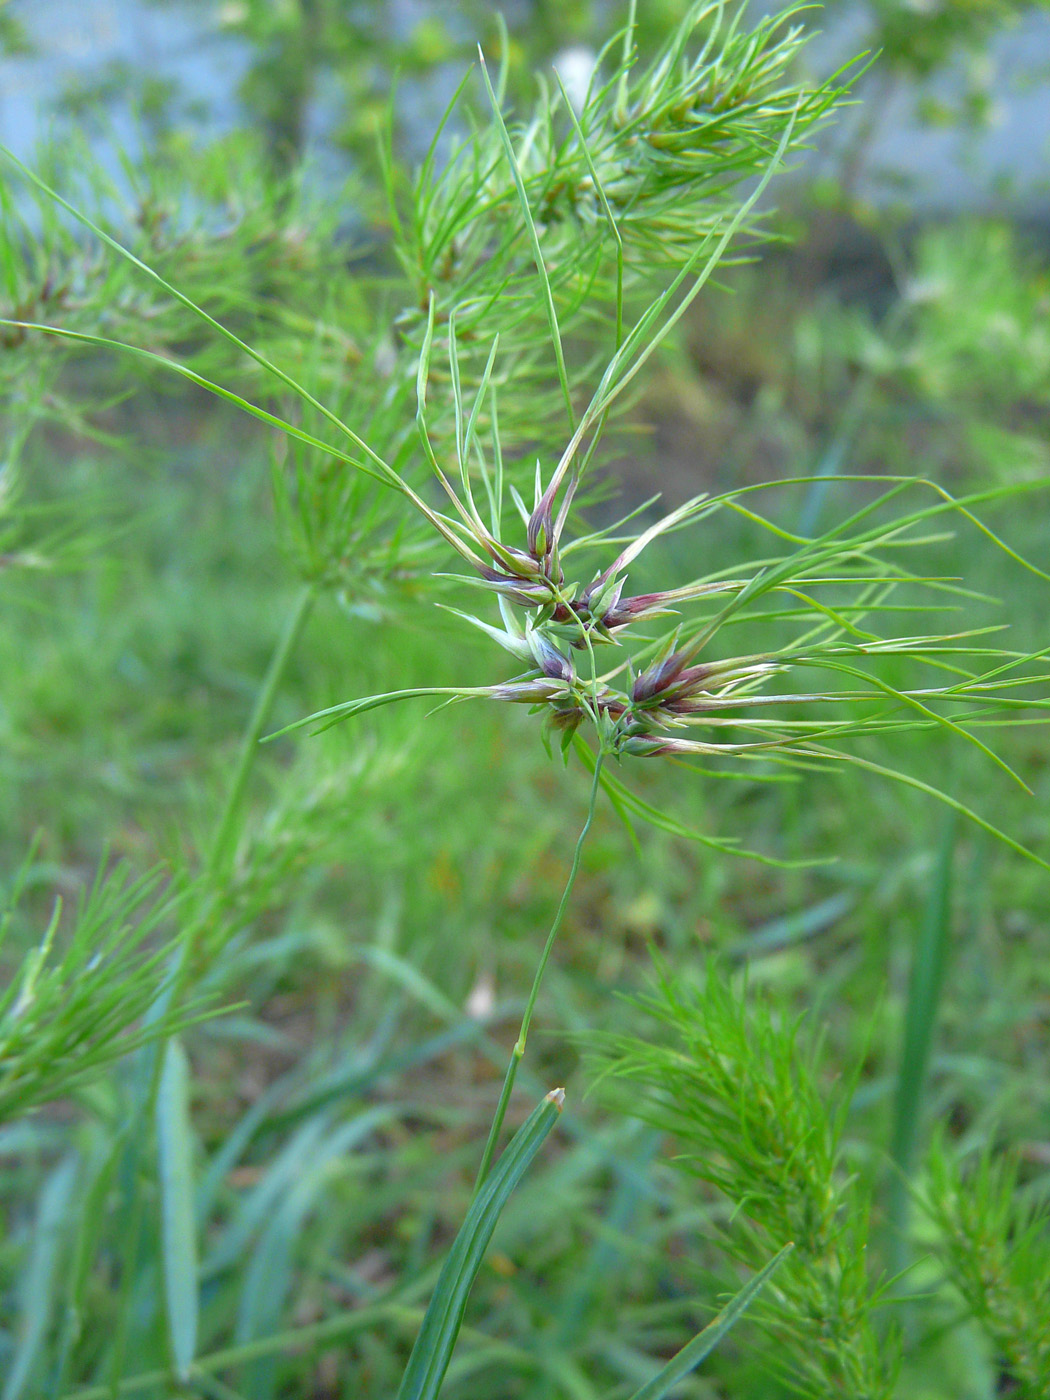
(539, 532)
(671, 682)
(527, 593)
(553, 663)
(534, 690)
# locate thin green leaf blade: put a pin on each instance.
(909, 781)
(165, 362)
(385, 471)
(41, 1277)
(437, 1336)
(178, 1217)
(349, 708)
(534, 239)
(705, 1342)
(925, 985)
(270, 1272)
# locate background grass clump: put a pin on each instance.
(258, 998)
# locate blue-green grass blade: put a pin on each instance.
(589, 1284)
(925, 984)
(41, 1278)
(705, 1342)
(791, 929)
(409, 978)
(346, 1323)
(178, 1220)
(86, 1224)
(270, 1272)
(437, 1336)
(258, 1205)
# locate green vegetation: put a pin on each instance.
(360, 760)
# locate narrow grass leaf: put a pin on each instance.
(793, 928)
(627, 802)
(941, 796)
(255, 1207)
(378, 470)
(479, 399)
(349, 708)
(614, 382)
(85, 1224)
(908, 698)
(600, 190)
(537, 251)
(177, 1214)
(329, 1330)
(270, 1273)
(705, 1342)
(40, 1280)
(387, 472)
(103, 342)
(925, 985)
(444, 1316)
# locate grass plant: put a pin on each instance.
(450, 415)
(743, 1096)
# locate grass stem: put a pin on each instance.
(518, 1052)
(224, 843)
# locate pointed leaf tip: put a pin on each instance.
(557, 1098)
